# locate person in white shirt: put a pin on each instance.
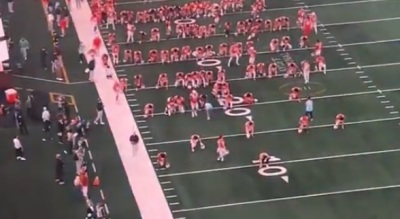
(309, 104)
(46, 123)
(19, 150)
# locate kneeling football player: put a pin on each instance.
(162, 160)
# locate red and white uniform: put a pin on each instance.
(185, 53)
(295, 94)
(234, 54)
(285, 22)
(249, 129)
(251, 72)
(263, 160)
(304, 123)
(162, 81)
(303, 42)
(320, 64)
(272, 70)
(317, 48)
(222, 151)
(148, 110)
(128, 55)
(118, 88)
(162, 160)
(84, 183)
(153, 56)
(155, 35)
(130, 32)
(164, 56)
(305, 67)
(261, 70)
(179, 79)
(307, 27)
(285, 43)
(301, 14)
(274, 45)
(137, 57)
(194, 102)
(138, 81)
(248, 99)
(252, 55)
(223, 49)
(175, 54)
(194, 141)
(277, 24)
(228, 100)
(291, 70)
(171, 105)
(268, 25)
(339, 121)
(115, 53)
(314, 21)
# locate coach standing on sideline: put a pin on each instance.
(46, 124)
(90, 69)
(59, 170)
(309, 108)
(100, 112)
(19, 150)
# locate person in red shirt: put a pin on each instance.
(63, 26)
(303, 124)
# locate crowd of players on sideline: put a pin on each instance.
(70, 131)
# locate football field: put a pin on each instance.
(325, 173)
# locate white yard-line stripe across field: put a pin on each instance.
(291, 28)
(294, 129)
(281, 75)
(283, 162)
(266, 10)
(288, 101)
(292, 50)
(314, 195)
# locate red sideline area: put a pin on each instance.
(138, 166)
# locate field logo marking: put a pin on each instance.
(272, 171)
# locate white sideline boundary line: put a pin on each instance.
(291, 28)
(138, 167)
(277, 131)
(269, 52)
(281, 75)
(314, 195)
(283, 162)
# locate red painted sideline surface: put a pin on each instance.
(138, 166)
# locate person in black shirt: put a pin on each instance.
(134, 139)
(100, 112)
(59, 170)
(60, 129)
(90, 69)
(21, 123)
(43, 58)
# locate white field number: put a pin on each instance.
(273, 171)
(238, 111)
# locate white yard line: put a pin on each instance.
(295, 28)
(314, 195)
(281, 75)
(289, 101)
(283, 162)
(294, 129)
(292, 50)
(267, 10)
